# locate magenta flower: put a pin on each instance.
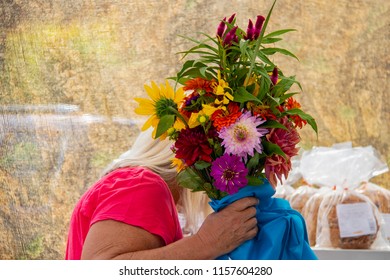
(274, 76)
(243, 137)
(230, 20)
(229, 173)
(250, 31)
(258, 26)
(221, 28)
(230, 37)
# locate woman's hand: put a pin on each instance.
(225, 230)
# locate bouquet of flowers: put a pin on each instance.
(232, 115)
(233, 119)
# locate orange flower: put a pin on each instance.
(293, 104)
(198, 84)
(262, 111)
(224, 118)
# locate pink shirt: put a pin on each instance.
(135, 196)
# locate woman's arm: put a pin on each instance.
(220, 233)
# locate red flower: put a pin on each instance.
(192, 145)
(276, 165)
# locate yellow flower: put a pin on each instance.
(206, 112)
(222, 89)
(179, 163)
(163, 101)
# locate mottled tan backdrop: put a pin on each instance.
(70, 68)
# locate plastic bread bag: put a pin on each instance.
(310, 213)
(381, 198)
(346, 218)
(300, 196)
(341, 165)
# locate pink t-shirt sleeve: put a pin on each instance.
(139, 198)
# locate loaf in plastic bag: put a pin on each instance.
(310, 213)
(346, 218)
(381, 198)
(300, 196)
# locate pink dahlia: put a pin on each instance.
(243, 137)
(276, 165)
(229, 173)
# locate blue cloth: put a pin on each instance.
(282, 231)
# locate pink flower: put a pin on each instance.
(243, 137)
(277, 165)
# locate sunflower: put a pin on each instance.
(162, 105)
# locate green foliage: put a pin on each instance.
(246, 64)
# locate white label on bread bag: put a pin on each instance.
(386, 218)
(356, 219)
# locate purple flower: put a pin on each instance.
(229, 173)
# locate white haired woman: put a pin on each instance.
(130, 213)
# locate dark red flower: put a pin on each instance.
(192, 145)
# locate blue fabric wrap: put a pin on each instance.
(282, 231)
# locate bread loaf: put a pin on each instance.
(328, 227)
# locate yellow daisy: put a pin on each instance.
(164, 101)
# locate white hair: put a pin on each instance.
(156, 155)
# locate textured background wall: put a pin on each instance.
(70, 68)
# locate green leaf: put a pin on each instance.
(254, 161)
(164, 124)
(189, 179)
(283, 86)
(287, 96)
(271, 40)
(271, 51)
(201, 164)
(278, 32)
(273, 124)
(242, 95)
(254, 181)
(271, 148)
(310, 120)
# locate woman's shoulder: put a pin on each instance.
(138, 173)
(134, 178)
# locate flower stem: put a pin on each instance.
(177, 114)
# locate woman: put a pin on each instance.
(130, 213)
